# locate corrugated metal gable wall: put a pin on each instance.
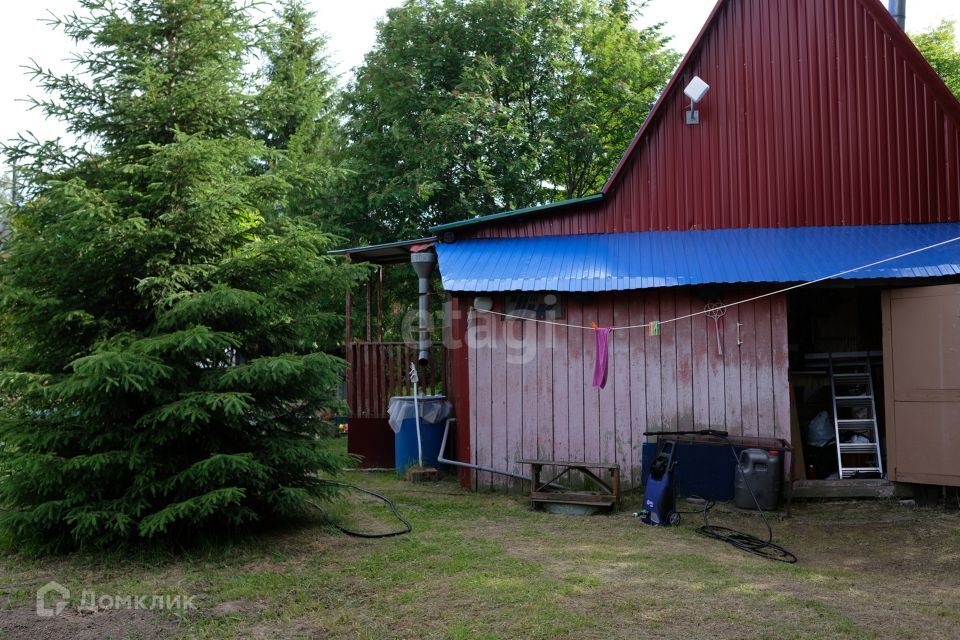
(819, 113)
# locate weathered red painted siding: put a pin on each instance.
(460, 373)
(531, 392)
(820, 112)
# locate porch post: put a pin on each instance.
(369, 304)
(380, 304)
(348, 317)
(348, 350)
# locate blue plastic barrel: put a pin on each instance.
(431, 433)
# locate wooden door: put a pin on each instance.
(921, 357)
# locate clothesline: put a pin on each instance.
(657, 323)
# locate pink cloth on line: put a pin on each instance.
(600, 366)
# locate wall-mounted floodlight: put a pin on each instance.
(483, 303)
(696, 89)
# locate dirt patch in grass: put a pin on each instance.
(483, 565)
(22, 623)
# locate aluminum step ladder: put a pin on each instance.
(854, 414)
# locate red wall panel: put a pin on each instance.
(460, 390)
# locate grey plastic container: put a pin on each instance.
(764, 471)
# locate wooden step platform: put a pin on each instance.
(608, 495)
(850, 488)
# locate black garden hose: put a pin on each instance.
(745, 541)
(407, 527)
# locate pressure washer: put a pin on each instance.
(659, 493)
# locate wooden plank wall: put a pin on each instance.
(530, 384)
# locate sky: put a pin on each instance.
(350, 26)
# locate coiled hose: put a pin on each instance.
(745, 541)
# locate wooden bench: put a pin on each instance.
(544, 492)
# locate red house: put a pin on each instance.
(826, 151)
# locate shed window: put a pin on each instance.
(539, 306)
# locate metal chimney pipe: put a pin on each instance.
(898, 9)
(423, 264)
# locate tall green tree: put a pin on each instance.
(295, 107)
(472, 107)
(162, 357)
(939, 46)
(8, 195)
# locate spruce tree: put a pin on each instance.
(164, 344)
(295, 109)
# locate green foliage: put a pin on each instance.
(7, 198)
(163, 352)
(939, 46)
(472, 107)
(295, 108)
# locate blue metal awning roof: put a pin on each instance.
(619, 261)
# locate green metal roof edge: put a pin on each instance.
(516, 212)
(386, 245)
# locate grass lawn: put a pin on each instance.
(486, 566)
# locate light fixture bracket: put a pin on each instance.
(696, 89)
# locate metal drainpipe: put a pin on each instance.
(898, 9)
(423, 264)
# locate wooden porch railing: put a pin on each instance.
(379, 370)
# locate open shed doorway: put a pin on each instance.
(836, 374)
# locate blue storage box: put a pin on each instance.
(706, 468)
